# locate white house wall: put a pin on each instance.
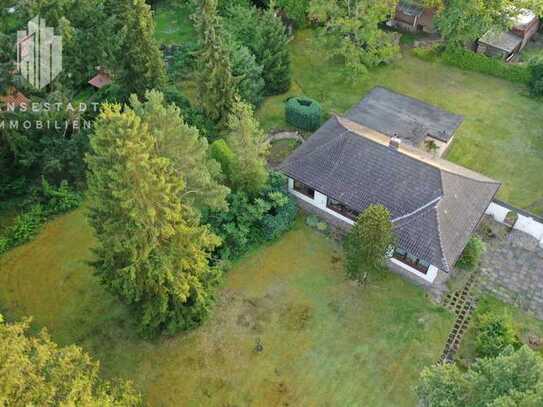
(320, 202)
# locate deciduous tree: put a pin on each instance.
(351, 29)
(511, 379)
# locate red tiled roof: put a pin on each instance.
(100, 80)
(16, 98)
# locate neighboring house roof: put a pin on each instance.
(434, 204)
(100, 80)
(409, 119)
(410, 8)
(505, 41)
(15, 98)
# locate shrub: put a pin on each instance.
(494, 333)
(471, 256)
(26, 226)
(472, 61)
(4, 245)
(59, 200)
(303, 113)
(536, 76)
(511, 218)
(252, 221)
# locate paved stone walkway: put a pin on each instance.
(512, 268)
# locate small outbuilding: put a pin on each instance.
(507, 44)
(14, 100)
(412, 16)
(102, 78)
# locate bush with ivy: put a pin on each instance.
(252, 221)
(303, 113)
(471, 256)
(495, 333)
(468, 60)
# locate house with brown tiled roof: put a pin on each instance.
(434, 204)
(14, 100)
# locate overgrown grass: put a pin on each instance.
(172, 21)
(325, 340)
(501, 135)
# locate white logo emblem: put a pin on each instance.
(39, 53)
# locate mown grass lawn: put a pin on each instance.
(502, 134)
(325, 341)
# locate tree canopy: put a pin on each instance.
(351, 29)
(36, 371)
(152, 252)
(216, 83)
(514, 378)
(185, 148)
(247, 141)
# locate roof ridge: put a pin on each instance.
(413, 152)
(416, 211)
(440, 239)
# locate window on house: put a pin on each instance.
(412, 261)
(342, 209)
(304, 189)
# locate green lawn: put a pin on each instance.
(326, 341)
(502, 134)
(172, 22)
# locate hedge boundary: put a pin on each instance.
(471, 61)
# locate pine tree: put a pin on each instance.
(271, 51)
(152, 252)
(248, 142)
(35, 371)
(186, 149)
(142, 64)
(216, 83)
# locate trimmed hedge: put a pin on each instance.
(468, 60)
(303, 113)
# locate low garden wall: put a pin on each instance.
(525, 222)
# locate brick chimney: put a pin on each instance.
(395, 142)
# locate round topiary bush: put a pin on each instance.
(303, 113)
